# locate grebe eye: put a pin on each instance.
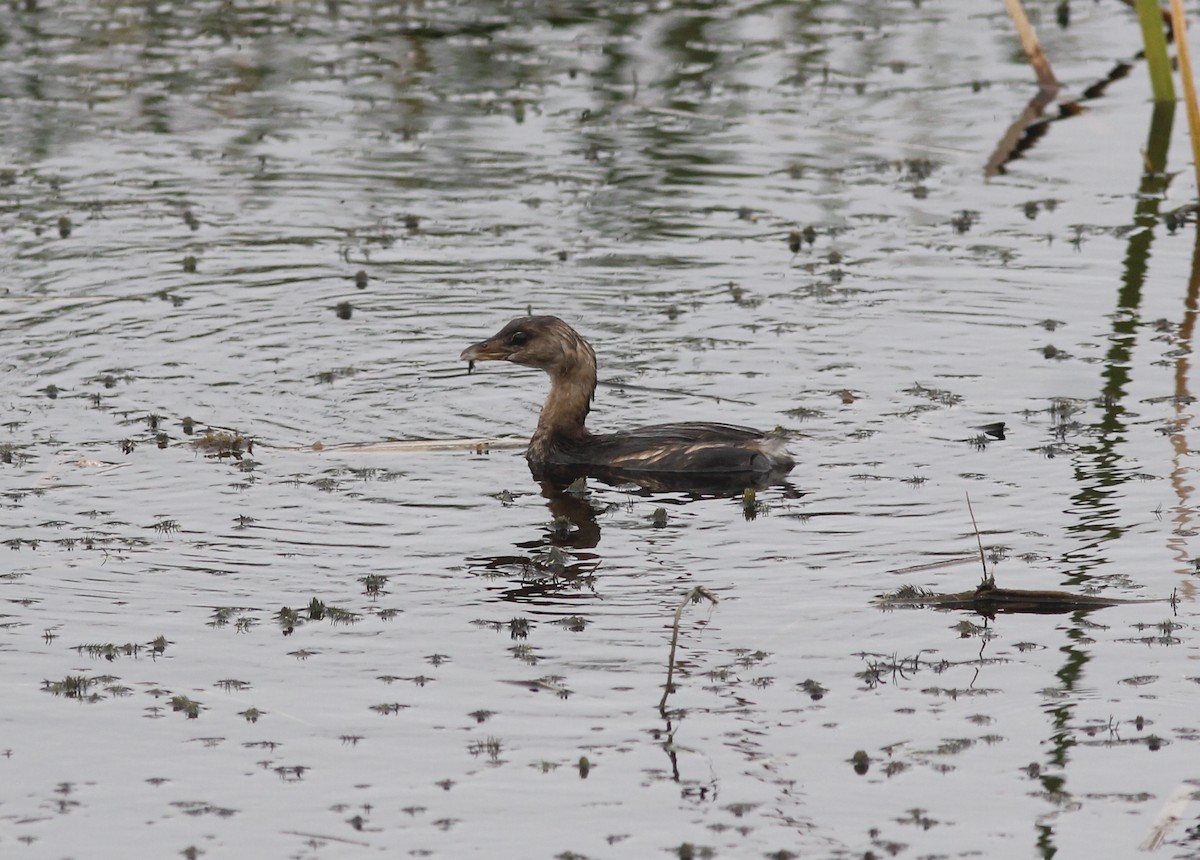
(519, 338)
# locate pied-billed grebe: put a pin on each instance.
(561, 439)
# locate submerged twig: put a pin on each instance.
(402, 446)
(694, 596)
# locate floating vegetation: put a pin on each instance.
(222, 615)
(72, 687)
(525, 653)
(490, 747)
(317, 610)
(373, 584)
(815, 690)
(988, 599)
(574, 623)
(751, 506)
(196, 807)
(550, 683)
(389, 708)
(221, 444)
(337, 615)
(189, 707)
(108, 650)
(880, 668)
(11, 455)
(803, 413)
(327, 377)
(287, 618)
(861, 762)
(939, 396)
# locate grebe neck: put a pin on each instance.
(572, 385)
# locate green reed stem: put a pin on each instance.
(1150, 17)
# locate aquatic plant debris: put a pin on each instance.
(988, 599)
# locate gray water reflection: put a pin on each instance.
(188, 196)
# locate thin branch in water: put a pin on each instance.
(978, 539)
(694, 596)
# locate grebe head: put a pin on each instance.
(546, 342)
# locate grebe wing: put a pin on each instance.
(693, 432)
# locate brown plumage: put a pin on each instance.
(562, 439)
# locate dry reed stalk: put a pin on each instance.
(1189, 83)
(1029, 41)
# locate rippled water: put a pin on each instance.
(186, 200)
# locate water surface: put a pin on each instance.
(186, 201)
